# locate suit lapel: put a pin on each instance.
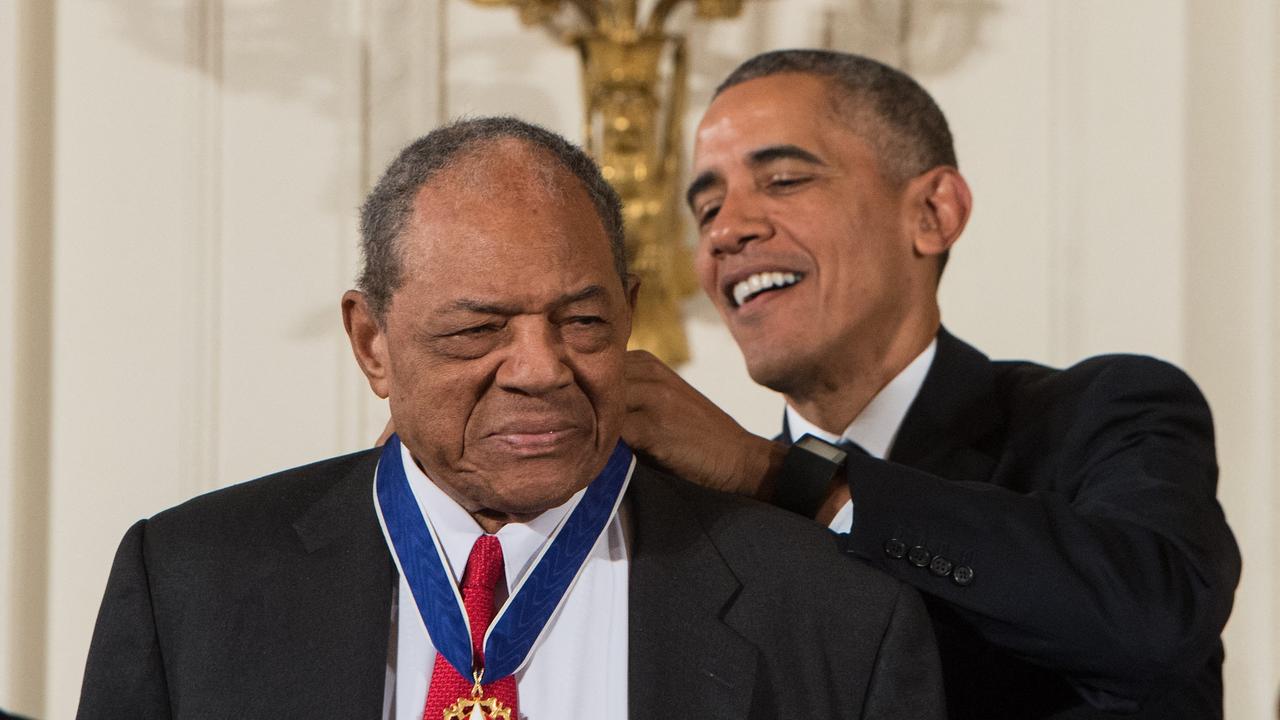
(683, 659)
(948, 423)
(341, 595)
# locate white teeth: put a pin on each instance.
(759, 282)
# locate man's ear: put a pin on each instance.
(632, 287)
(939, 207)
(368, 341)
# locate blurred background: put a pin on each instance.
(179, 182)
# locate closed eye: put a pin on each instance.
(586, 333)
(784, 182)
(475, 330)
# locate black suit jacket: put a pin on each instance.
(1063, 528)
(272, 599)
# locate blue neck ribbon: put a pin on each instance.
(522, 619)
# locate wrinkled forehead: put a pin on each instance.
(787, 108)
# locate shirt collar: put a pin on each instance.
(876, 427)
(458, 531)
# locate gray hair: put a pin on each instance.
(905, 126)
(389, 206)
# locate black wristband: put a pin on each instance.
(807, 471)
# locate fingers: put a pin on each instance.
(643, 365)
(651, 386)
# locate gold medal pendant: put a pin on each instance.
(477, 707)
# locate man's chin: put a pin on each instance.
(531, 500)
(778, 372)
(530, 486)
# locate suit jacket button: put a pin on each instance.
(895, 548)
(962, 575)
(940, 566)
(919, 556)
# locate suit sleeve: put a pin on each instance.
(124, 675)
(907, 679)
(1102, 555)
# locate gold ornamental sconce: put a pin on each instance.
(634, 86)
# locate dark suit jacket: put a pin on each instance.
(272, 599)
(1079, 505)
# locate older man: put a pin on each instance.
(1062, 525)
(503, 557)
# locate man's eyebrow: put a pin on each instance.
(705, 179)
(756, 158)
(482, 307)
(587, 293)
(782, 152)
(485, 307)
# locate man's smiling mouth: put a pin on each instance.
(759, 283)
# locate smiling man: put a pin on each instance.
(1061, 524)
(503, 556)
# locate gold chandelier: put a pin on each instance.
(634, 85)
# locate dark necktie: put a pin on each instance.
(483, 573)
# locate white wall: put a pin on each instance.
(25, 287)
(180, 221)
(8, 339)
(1231, 308)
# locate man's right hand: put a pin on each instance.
(690, 437)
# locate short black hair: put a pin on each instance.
(387, 209)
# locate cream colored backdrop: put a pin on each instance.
(179, 179)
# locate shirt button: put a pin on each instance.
(940, 566)
(919, 556)
(962, 575)
(895, 548)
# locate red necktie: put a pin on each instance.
(484, 571)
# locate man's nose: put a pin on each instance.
(536, 361)
(739, 221)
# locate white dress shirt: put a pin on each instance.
(876, 427)
(578, 668)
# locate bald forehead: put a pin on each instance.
(489, 195)
(501, 167)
